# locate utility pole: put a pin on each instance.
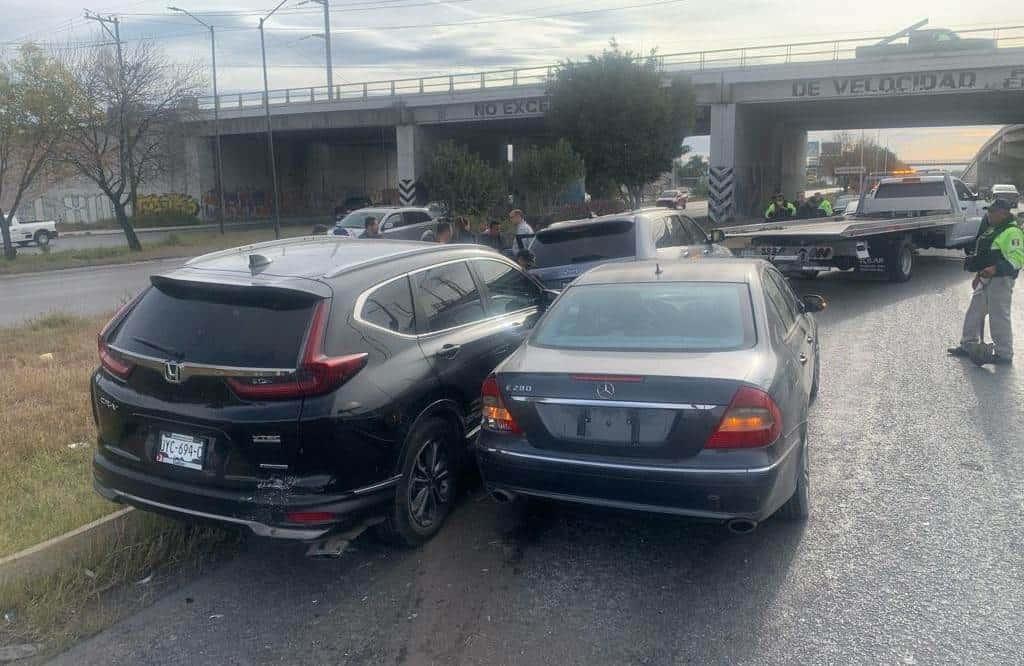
(216, 115)
(326, 4)
(270, 130)
(124, 152)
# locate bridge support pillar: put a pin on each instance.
(722, 172)
(413, 144)
(199, 169)
(793, 172)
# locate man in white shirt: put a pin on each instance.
(524, 232)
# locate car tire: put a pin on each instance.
(798, 507)
(899, 261)
(42, 238)
(426, 491)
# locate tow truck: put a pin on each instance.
(901, 213)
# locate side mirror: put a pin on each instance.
(814, 303)
(716, 236)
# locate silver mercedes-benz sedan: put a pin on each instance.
(679, 387)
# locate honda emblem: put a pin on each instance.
(172, 372)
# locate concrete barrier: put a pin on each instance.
(68, 549)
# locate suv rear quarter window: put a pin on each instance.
(390, 307)
(508, 290)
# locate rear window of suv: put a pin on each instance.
(583, 243)
(669, 316)
(259, 329)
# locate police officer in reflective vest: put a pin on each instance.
(997, 259)
(779, 208)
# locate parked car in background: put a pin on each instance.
(403, 223)
(1006, 193)
(679, 388)
(26, 233)
(676, 198)
(938, 40)
(565, 250)
(298, 386)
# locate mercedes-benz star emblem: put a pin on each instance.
(606, 390)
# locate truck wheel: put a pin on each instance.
(42, 238)
(899, 261)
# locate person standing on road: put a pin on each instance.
(804, 208)
(822, 205)
(491, 237)
(371, 228)
(779, 208)
(998, 258)
(524, 232)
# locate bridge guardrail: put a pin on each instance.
(693, 61)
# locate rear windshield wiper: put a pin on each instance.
(155, 346)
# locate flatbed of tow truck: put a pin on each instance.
(894, 219)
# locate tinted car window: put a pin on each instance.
(662, 233)
(508, 290)
(392, 221)
(671, 316)
(612, 239)
(390, 307)
(357, 219)
(178, 323)
(935, 188)
(773, 290)
(448, 296)
(693, 233)
(415, 217)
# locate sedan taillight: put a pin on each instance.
(752, 420)
(317, 373)
(496, 417)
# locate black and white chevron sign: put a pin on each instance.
(721, 194)
(407, 191)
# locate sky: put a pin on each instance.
(385, 39)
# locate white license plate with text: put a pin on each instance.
(181, 450)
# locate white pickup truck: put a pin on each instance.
(898, 216)
(40, 233)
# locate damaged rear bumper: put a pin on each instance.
(263, 511)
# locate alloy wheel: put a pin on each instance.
(429, 485)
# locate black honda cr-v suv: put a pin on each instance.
(294, 387)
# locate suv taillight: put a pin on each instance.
(752, 419)
(496, 417)
(112, 362)
(317, 373)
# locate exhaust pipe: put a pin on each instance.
(741, 525)
(503, 496)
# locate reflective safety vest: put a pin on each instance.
(996, 245)
(789, 210)
(826, 207)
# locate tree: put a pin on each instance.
(126, 110)
(542, 174)
(462, 181)
(33, 122)
(845, 150)
(625, 118)
(695, 167)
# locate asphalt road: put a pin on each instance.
(913, 553)
(83, 291)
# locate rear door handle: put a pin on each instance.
(803, 359)
(449, 351)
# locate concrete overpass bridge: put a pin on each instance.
(999, 160)
(757, 104)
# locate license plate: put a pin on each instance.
(181, 450)
(608, 426)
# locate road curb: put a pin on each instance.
(66, 550)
